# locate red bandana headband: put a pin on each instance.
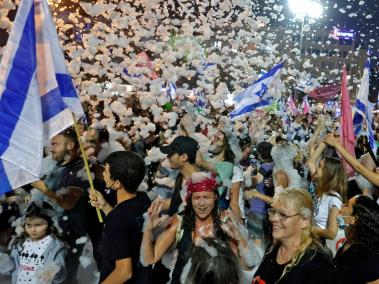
(201, 182)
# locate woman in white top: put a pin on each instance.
(331, 182)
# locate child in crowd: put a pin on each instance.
(37, 255)
(281, 182)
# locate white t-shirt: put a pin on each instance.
(31, 259)
(238, 177)
(322, 207)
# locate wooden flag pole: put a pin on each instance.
(85, 159)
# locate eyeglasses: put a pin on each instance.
(272, 212)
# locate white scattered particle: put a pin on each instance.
(85, 261)
(81, 240)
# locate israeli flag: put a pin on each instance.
(363, 109)
(36, 94)
(171, 91)
(256, 95)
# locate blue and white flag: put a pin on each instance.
(307, 85)
(371, 134)
(256, 95)
(201, 101)
(362, 108)
(361, 103)
(36, 94)
(171, 91)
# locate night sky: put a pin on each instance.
(362, 16)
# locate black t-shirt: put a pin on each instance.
(357, 265)
(315, 266)
(74, 222)
(122, 238)
(269, 271)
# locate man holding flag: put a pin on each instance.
(36, 95)
(37, 99)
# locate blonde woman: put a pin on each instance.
(295, 255)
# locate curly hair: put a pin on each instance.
(365, 231)
(189, 219)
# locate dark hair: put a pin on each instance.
(190, 158)
(245, 142)
(365, 231)
(216, 269)
(228, 153)
(39, 209)
(128, 168)
(70, 134)
(103, 135)
(189, 218)
(279, 139)
(264, 150)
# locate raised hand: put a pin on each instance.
(154, 219)
(231, 229)
(187, 124)
(331, 140)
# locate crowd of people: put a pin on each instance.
(199, 199)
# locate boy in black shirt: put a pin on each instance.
(124, 171)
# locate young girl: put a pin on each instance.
(37, 255)
(281, 182)
(331, 183)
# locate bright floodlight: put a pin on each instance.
(302, 8)
(298, 7)
(314, 10)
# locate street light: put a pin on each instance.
(303, 9)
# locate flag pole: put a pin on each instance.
(85, 159)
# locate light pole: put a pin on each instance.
(303, 9)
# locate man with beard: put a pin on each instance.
(66, 187)
(222, 164)
(181, 154)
